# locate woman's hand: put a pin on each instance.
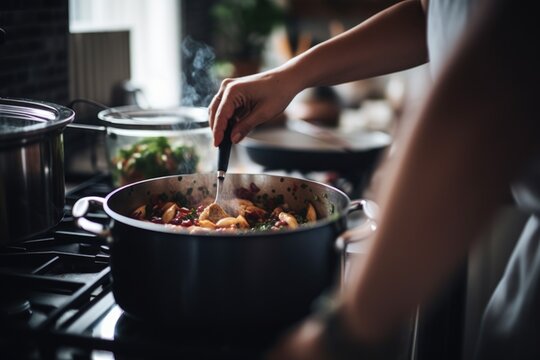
(252, 100)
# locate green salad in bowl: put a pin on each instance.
(152, 157)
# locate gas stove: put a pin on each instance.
(57, 302)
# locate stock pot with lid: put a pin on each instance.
(31, 166)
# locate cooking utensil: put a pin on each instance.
(170, 141)
(215, 209)
(224, 155)
(330, 137)
(31, 167)
(283, 149)
(147, 143)
(262, 280)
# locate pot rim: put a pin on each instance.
(181, 231)
(41, 117)
(170, 118)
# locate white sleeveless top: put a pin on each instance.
(447, 20)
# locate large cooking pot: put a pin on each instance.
(31, 167)
(266, 280)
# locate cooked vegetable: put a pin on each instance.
(153, 157)
(311, 215)
(289, 219)
(241, 215)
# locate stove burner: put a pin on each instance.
(93, 249)
(89, 249)
(15, 307)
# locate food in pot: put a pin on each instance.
(240, 214)
(153, 157)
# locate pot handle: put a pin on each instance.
(371, 211)
(360, 233)
(80, 209)
(369, 207)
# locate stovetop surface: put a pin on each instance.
(57, 302)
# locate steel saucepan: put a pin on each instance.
(31, 167)
(219, 280)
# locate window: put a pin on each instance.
(154, 44)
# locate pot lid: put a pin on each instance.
(22, 120)
(134, 117)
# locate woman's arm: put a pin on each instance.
(475, 133)
(391, 40)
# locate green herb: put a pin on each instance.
(153, 157)
(263, 226)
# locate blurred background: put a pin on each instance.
(167, 53)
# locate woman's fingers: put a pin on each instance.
(214, 104)
(251, 100)
(225, 111)
(212, 109)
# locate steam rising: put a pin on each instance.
(198, 83)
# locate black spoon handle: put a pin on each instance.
(224, 152)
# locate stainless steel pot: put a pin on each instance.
(255, 280)
(31, 167)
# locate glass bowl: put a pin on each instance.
(149, 143)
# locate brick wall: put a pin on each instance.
(34, 55)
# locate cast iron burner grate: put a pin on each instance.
(48, 279)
